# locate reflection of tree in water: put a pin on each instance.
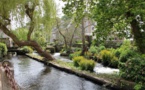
(46, 70)
(25, 61)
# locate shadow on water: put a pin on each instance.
(33, 75)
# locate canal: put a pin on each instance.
(33, 75)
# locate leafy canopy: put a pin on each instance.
(115, 16)
(15, 10)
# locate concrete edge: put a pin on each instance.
(96, 80)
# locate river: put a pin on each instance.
(33, 75)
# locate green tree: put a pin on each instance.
(79, 10)
(67, 28)
(121, 17)
(39, 15)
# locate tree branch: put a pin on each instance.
(30, 11)
(61, 33)
(25, 43)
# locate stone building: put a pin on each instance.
(5, 39)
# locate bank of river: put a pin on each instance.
(33, 75)
(99, 68)
(112, 81)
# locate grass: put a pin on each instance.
(109, 77)
(36, 56)
(113, 78)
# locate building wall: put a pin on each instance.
(5, 39)
(89, 27)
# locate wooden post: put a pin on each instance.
(4, 81)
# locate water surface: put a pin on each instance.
(33, 75)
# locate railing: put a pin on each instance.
(7, 81)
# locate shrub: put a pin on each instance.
(76, 60)
(77, 49)
(3, 49)
(93, 49)
(117, 53)
(139, 86)
(101, 47)
(126, 54)
(84, 63)
(114, 62)
(27, 49)
(106, 57)
(133, 69)
(75, 54)
(88, 54)
(87, 64)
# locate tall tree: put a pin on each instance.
(79, 9)
(38, 14)
(120, 16)
(67, 28)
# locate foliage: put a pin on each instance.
(93, 49)
(108, 58)
(139, 86)
(88, 54)
(3, 49)
(125, 51)
(77, 49)
(76, 60)
(133, 69)
(42, 38)
(101, 47)
(27, 49)
(87, 64)
(84, 63)
(114, 62)
(21, 33)
(75, 54)
(76, 8)
(125, 45)
(126, 54)
(123, 21)
(117, 53)
(16, 10)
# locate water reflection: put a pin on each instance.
(32, 75)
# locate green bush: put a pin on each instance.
(3, 49)
(106, 57)
(101, 47)
(117, 53)
(84, 63)
(27, 49)
(126, 54)
(93, 49)
(76, 60)
(87, 64)
(88, 54)
(77, 49)
(139, 86)
(75, 54)
(133, 69)
(114, 62)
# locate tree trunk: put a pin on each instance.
(65, 41)
(72, 39)
(84, 48)
(26, 43)
(138, 35)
